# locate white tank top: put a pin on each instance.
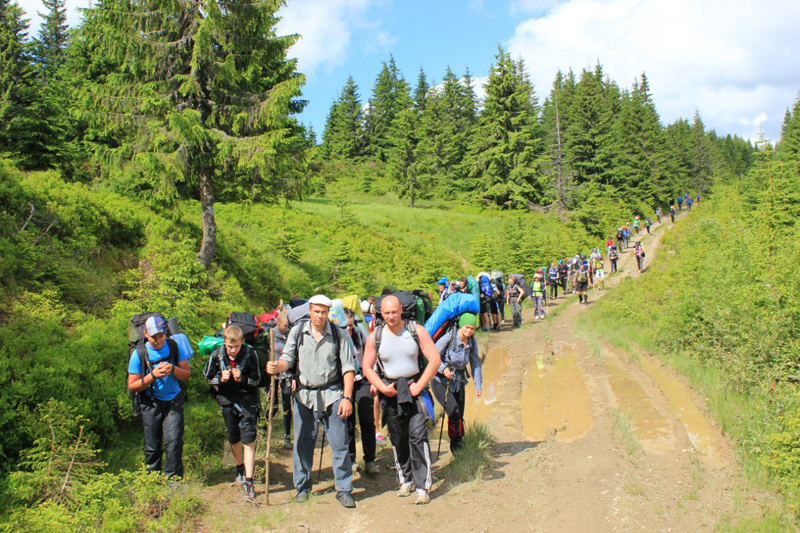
(398, 354)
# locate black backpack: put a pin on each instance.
(255, 337)
(407, 300)
(137, 342)
(336, 331)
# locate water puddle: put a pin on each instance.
(703, 436)
(555, 396)
(495, 364)
(653, 430)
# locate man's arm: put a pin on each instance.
(370, 357)
(182, 371)
(431, 354)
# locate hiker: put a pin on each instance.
(573, 271)
(636, 221)
(553, 279)
(620, 238)
(538, 292)
(458, 348)
(582, 283)
(442, 284)
(609, 243)
(563, 275)
(514, 295)
(639, 251)
(498, 298)
(680, 203)
(321, 356)
(647, 224)
(487, 300)
(285, 381)
(613, 255)
(233, 373)
(697, 198)
(672, 213)
(626, 234)
(162, 402)
(689, 203)
(598, 272)
(658, 214)
(400, 357)
(364, 396)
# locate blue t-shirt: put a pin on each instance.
(165, 388)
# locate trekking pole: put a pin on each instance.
(321, 451)
(272, 386)
(444, 413)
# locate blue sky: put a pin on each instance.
(736, 61)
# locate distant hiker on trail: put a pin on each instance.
(689, 203)
(626, 234)
(647, 224)
(672, 213)
(487, 300)
(620, 239)
(442, 283)
(456, 353)
(162, 401)
(514, 295)
(582, 283)
(322, 358)
(598, 269)
(553, 279)
(609, 244)
(399, 355)
(697, 198)
(658, 214)
(364, 395)
(639, 251)
(613, 256)
(538, 292)
(573, 271)
(636, 222)
(680, 203)
(563, 275)
(233, 373)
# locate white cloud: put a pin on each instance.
(734, 61)
(326, 28)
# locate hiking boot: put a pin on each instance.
(346, 499)
(249, 492)
(372, 469)
(301, 496)
(406, 489)
(239, 477)
(422, 497)
(287, 443)
(456, 445)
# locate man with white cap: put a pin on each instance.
(321, 355)
(162, 398)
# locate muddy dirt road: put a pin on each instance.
(586, 440)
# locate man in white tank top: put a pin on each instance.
(402, 388)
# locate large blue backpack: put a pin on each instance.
(486, 287)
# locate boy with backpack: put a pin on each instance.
(582, 283)
(538, 291)
(514, 295)
(155, 371)
(233, 373)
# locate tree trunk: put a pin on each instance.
(209, 245)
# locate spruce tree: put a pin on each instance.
(391, 95)
(17, 79)
(789, 146)
(53, 36)
(208, 94)
(343, 136)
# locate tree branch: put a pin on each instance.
(69, 469)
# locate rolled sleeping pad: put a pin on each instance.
(298, 314)
(336, 314)
(455, 305)
(184, 346)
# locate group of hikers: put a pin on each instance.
(347, 363)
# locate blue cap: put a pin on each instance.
(155, 325)
(442, 281)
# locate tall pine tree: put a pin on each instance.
(390, 95)
(343, 137)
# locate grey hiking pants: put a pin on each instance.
(305, 438)
(163, 426)
(516, 311)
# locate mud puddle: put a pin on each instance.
(495, 364)
(703, 436)
(555, 396)
(653, 429)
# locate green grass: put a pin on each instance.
(469, 463)
(622, 429)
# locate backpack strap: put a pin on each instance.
(336, 333)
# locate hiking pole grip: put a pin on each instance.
(272, 386)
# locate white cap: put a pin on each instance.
(365, 306)
(155, 325)
(320, 299)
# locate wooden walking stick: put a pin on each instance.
(272, 387)
(321, 451)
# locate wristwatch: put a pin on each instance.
(348, 398)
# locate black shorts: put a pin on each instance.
(487, 306)
(241, 424)
(583, 285)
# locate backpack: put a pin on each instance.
(255, 337)
(336, 332)
(486, 287)
(137, 342)
(408, 302)
(521, 283)
(411, 327)
(583, 277)
(426, 302)
(537, 290)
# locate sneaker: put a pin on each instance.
(301, 496)
(249, 492)
(422, 497)
(379, 438)
(287, 443)
(406, 489)
(372, 469)
(239, 477)
(346, 499)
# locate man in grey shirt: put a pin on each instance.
(324, 373)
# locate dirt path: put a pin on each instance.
(587, 440)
